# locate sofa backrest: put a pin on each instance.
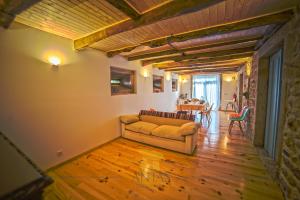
(165, 118)
(173, 115)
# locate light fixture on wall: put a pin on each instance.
(229, 77)
(182, 79)
(248, 67)
(145, 73)
(168, 76)
(54, 61)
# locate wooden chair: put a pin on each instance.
(238, 117)
(206, 113)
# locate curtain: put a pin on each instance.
(207, 87)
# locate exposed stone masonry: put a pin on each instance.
(252, 95)
(289, 164)
(289, 173)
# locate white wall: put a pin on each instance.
(43, 110)
(186, 85)
(229, 87)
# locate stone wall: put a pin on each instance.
(288, 158)
(289, 172)
(252, 95)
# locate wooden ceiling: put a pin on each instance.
(182, 36)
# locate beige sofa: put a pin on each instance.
(169, 133)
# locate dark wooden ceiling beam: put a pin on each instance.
(199, 55)
(9, 10)
(230, 69)
(271, 30)
(204, 61)
(195, 63)
(206, 68)
(238, 41)
(172, 9)
(203, 66)
(125, 7)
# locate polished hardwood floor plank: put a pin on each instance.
(222, 167)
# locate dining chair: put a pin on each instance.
(238, 117)
(207, 113)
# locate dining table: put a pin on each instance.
(191, 107)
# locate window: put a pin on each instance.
(122, 81)
(174, 85)
(207, 87)
(158, 84)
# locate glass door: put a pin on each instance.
(273, 103)
(207, 87)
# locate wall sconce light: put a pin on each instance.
(248, 67)
(168, 76)
(145, 73)
(182, 79)
(55, 61)
(229, 77)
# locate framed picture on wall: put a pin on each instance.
(158, 84)
(122, 81)
(174, 85)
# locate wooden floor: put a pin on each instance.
(223, 167)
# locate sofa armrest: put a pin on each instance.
(128, 119)
(188, 129)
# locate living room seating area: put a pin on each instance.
(177, 132)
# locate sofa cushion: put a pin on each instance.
(141, 127)
(170, 132)
(188, 129)
(127, 119)
(163, 120)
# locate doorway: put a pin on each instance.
(241, 89)
(273, 103)
(207, 87)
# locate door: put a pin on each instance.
(207, 87)
(273, 103)
(241, 89)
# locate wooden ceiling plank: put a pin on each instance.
(45, 23)
(53, 16)
(274, 18)
(104, 6)
(259, 21)
(10, 9)
(200, 47)
(53, 22)
(126, 8)
(81, 12)
(71, 17)
(36, 24)
(168, 10)
(199, 55)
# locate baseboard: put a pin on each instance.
(81, 154)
